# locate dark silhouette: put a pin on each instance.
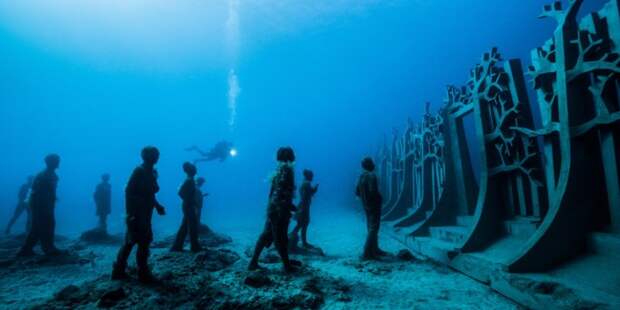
(190, 220)
(22, 205)
(221, 150)
(279, 211)
(103, 197)
(140, 201)
(367, 190)
(42, 203)
(302, 216)
(200, 196)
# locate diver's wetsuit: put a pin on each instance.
(102, 198)
(139, 203)
(220, 151)
(368, 191)
(190, 220)
(42, 204)
(278, 215)
(22, 205)
(306, 192)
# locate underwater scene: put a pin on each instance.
(344, 154)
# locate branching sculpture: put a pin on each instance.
(559, 178)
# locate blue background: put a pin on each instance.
(95, 81)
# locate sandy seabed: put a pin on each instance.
(338, 280)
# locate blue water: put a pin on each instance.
(95, 81)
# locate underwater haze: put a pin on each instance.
(95, 81)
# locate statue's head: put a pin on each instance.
(285, 155)
(150, 155)
(189, 169)
(368, 164)
(308, 174)
(52, 161)
(105, 177)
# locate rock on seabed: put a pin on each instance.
(211, 279)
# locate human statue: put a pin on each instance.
(302, 216)
(189, 205)
(42, 204)
(200, 197)
(22, 205)
(279, 209)
(140, 201)
(367, 190)
(103, 197)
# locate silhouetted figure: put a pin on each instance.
(302, 216)
(190, 220)
(140, 201)
(103, 198)
(42, 204)
(368, 191)
(22, 205)
(200, 196)
(221, 150)
(279, 211)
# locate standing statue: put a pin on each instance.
(200, 197)
(42, 204)
(302, 216)
(103, 197)
(22, 205)
(279, 211)
(190, 220)
(140, 201)
(368, 191)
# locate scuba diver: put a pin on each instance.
(306, 192)
(367, 190)
(279, 212)
(190, 221)
(22, 205)
(103, 197)
(140, 201)
(222, 150)
(42, 203)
